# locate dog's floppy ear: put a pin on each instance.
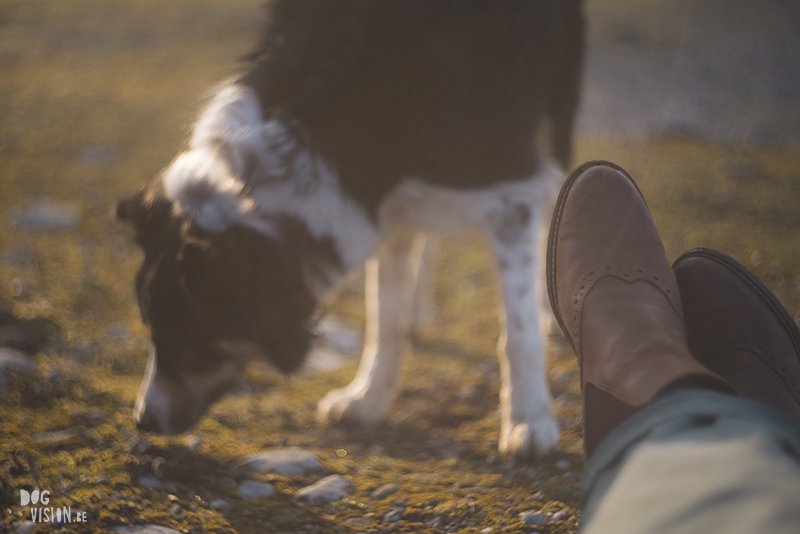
(149, 211)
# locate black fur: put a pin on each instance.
(453, 92)
(449, 91)
(195, 288)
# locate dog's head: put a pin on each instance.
(213, 301)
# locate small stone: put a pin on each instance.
(192, 442)
(220, 504)
(535, 518)
(358, 522)
(385, 490)
(101, 480)
(293, 461)
(44, 215)
(59, 436)
(144, 529)
(14, 362)
(253, 489)
(325, 491)
(175, 508)
(560, 516)
(486, 530)
(24, 527)
(562, 464)
(396, 514)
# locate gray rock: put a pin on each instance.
(192, 442)
(220, 504)
(358, 522)
(143, 529)
(560, 516)
(102, 480)
(562, 464)
(253, 489)
(292, 461)
(24, 527)
(396, 514)
(535, 518)
(385, 490)
(14, 362)
(44, 215)
(325, 491)
(59, 436)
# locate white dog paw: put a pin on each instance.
(352, 407)
(529, 441)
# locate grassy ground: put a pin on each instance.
(96, 98)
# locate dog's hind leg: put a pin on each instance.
(389, 296)
(528, 430)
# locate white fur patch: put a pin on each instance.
(241, 170)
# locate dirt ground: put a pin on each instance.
(700, 101)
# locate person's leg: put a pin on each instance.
(696, 462)
(664, 454)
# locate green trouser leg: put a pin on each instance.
(696, 462)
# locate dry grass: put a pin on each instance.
(97, 99)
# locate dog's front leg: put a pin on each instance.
(528, 430)
(389, 295)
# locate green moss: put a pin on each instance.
(138, 71)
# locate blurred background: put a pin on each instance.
(698, 99)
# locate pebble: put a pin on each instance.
(14, 362)
(560, 516)
(24, 527)
(144, 529)
(535, 518)
(175, 508)
(562, 464)
(486, 530)
(325, 491)
(192, 442)
(358, 522)
(44, 215)
(396, 514)
(253, 489)
(59, 436)
(220, 504)
(292, 461)
(385, 490)
(102, 480)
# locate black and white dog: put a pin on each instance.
(360, 125)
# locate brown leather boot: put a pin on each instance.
(737, 328)
(614, 295)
